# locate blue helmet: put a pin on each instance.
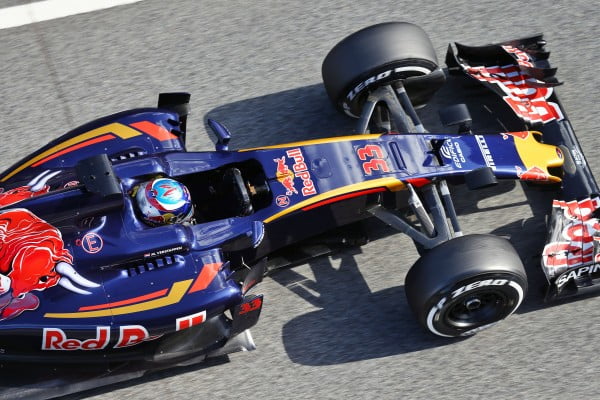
(164, 201)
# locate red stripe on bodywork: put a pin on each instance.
(157, 132)
(344, 197)
(418, 182)
(75, 147)
(206, 276)
(138, 299)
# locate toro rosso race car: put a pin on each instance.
(118, 244)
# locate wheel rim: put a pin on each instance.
(478, 308)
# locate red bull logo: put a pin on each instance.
(573, 238)
(301, 171)
(532, 174)
(129, 335)
(285, 176)
(32, 258)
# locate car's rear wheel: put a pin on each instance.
(377, 55)
(466, 285)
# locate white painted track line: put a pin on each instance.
(25, 14)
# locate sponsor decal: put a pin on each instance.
(373, 156)
(383, 75)
(56, 339)
(478, 284)
(32, 258)
(301, 171)
(573, 233)
(190, 320)
(485, 152)
(524, 94)
(521, 57)
(577, 157)
(285, 176)
(282, 201)
(129, 335)
(532, 174)
(577, 273)
(451, 151)
(433, 312)
(92, 243)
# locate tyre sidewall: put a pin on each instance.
(376, 56)
(405, 70)
(439, 315)
(433, 281)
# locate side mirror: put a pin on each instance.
(223, 135)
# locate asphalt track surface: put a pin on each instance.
(337, 327)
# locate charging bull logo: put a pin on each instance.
(285, 176)
(532, 174)
(35, 187)
(32, 258)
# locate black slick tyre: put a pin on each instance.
(377, 55)
(466, 285)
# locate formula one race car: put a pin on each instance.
(117, 244)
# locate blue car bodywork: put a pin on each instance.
(132, 290)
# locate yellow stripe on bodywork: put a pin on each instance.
(392, 184)
(316, 141)
(536, 154)
(177, 292)
(123, 131)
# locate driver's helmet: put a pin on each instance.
(164, 201)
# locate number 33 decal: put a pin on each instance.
(374, 154)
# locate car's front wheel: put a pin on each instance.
(380, 55)
(466, 285)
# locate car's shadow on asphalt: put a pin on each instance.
(353, 323)
(79, 381)
(289, 116)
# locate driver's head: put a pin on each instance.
(164, 201)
